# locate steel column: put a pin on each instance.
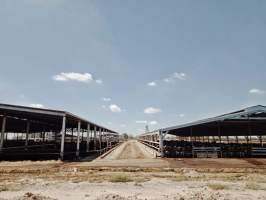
(88, 138)
(27, 134)
(95, 142)
(100, 139)
(63, 132)
(161, 145)
(3, 133)
(78, 139)
(219, 133)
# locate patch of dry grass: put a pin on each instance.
(10, 187)
(141, 179)
(3, 188)
(120, 178)
(254, 186)
(180, 178)
(217, 186)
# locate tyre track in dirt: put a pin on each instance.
(130, 150)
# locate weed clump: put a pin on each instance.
(120, 178)
(217, 186)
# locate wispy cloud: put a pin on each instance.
(73, 76)
(141, 122)
(153, 123)
(152, 110)
(175, 76)
(106, 99)
(147, 122)
(181, 115)
(78, 77)
(115, 108)
(99, 81)
(256, 91)
(36, 105)
(180, 76)
(152, 84)
(167, 80)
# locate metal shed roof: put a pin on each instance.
(251, 113)
(248, 121)
(46, 116)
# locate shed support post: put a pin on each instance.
(63, 132)
(100, 140)
(227, 138)
(161, 145)
(43, 136)
(237, 139)
(95, 142)
(88, 138)
(78, 139)
(260, 139)
(191, 136)
(27, 134)
(220, 139)
(3, 129)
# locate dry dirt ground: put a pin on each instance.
(131, 172)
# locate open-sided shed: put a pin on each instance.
(27, 130)
(242, 130)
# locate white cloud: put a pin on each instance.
(106, 99)
(180, 76)
(115, 108)
(141, 122)
(109, 123)
(152, 84)
(36, 105)
(73, 76)
(181, 115)
(99, 81)
(153, 123)
(256, 91)
(151, 110)
(167, 80)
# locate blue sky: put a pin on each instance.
(125, 64)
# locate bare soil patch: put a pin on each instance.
(134, 174)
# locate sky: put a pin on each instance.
(126, 64)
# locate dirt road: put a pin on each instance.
(129, 154)
(130, 150)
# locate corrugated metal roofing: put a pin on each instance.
(246, 113)
(45, 113)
